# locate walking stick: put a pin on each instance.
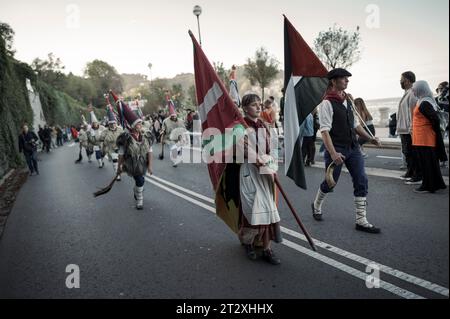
(288, 202)
(80, 157)
(106, 189)
(359, 116)
(161, 156)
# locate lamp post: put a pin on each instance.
(150, 69)
(197, 12)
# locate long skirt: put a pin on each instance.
(431, 172)
(259, 214)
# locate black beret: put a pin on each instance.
(338, 73)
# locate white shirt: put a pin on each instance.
(326, 116)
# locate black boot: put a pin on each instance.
(316, 216)
(269, 256)
(250, 252)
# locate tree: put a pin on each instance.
(80, 88)
(177, 95)
(262, 69)
(192, 95)
(157, 94)
(222, 73)
(338, 48)
(104, 77)
(7, 33)
(50, 70)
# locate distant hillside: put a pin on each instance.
(134, 81)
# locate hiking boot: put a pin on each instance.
(370, 229)
(317, 216)
(269, 256)
(250, 252)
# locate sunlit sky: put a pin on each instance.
(412, 35)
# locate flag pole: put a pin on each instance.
(299, 222)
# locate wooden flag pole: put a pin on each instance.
(299, 222)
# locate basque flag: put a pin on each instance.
(218, 112)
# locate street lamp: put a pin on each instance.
(197, 12)
(150, 68)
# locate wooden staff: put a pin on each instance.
(106, 189)
(299, 222)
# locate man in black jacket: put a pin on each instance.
(28, 145)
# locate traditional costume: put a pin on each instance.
(83, 138)
(174, 134)
(336, 116)
(93, 135)
(135, 151)
(108, 138)
(259, 222)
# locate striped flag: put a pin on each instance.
(220, 116)
(305, 83)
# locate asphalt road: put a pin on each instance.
(177, 248)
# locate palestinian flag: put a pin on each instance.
(305, 83)
(226, 127)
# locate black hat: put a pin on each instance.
(338, 73)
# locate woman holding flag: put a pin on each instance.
(260, 219)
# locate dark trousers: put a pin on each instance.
(139, 180)
(31, 158)
(47, 143)
(429, 164)
(354, 162)
(309, 149)
(411, 157)
(98, 155)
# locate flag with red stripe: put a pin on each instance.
(219, 116)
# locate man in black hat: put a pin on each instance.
(339, 126)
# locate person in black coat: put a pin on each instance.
(28, 145)
(47, 138)
(427, 139)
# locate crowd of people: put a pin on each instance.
(344, 123)
(47, 139)
(421, 123)
(421, 126)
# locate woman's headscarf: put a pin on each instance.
(423, 92)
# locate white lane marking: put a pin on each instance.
(379, 172)
(351, 271)
(340, 266)
(189, 199)
(386, 269)
(205, 198)
(390, 157)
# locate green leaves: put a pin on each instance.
(338, 48)
(262, 69)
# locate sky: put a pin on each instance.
(397, 35)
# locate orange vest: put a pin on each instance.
(422, 131)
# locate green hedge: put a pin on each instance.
(15, 108)
(59, 108)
